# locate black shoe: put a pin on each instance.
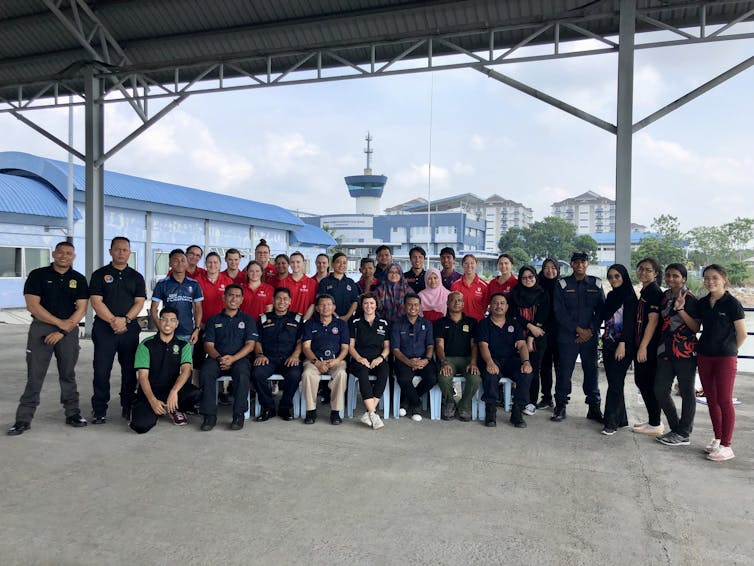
(76, 421)
(265, 415)
(463, 417)
(237, 422)
(594, 413)
(18, 428)
(517, 417)
(490, 414)
(222, 399)
(311, 417)
(335, 418)
(209, 422)
(559, 414)
(102, 419)
(544, 404)
(285, 414)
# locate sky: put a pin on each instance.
(293, 145)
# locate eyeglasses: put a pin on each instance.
(168, 320)
(527, 278)
(645, 270)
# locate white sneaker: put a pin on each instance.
(639, 426)
(530, 409)
(416, 418)
(650, 430)
(712, 446)
(402, 412)
(366, 419)
(376, 421)
(721, 454)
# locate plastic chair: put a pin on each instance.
(323, 377)
(435, 400)
(351, 397)
(226, 379)
(296, 398)
(480, 405)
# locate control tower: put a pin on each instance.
(367, 188)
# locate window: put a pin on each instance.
(161, 264)
(132, 263)
(18, 262)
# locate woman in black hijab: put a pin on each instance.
(619, 315)
(530, 305)
(548, 278)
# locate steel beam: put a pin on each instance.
(94, 132)
(54, 139)
(624, 133)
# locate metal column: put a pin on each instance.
(624, 137)
(95, 178)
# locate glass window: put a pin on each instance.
(132, 263)
(161, 264)
(34, 258)
(10, 262)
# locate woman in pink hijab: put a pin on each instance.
(434, 296)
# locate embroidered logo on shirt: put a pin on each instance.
(465, 328)
(241, 325)
(510, 328)
(175, 348)
(73, 284)
(108, 278)
(335, 330)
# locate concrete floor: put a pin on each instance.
(414, 493)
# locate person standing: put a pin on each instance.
(342, 288)
(302, 287)
(322, 265)
(579, 301)
(676, 355)
(457, 352)
(506, 281)
(473, 289)
(415, 276)
(448, 273)
(213, 284)
(434, 296)
(229, 340)
(56, 296)
(619, 315)
(262, 256)
(647, 331)
(391, 293)
(182, 293)
(117, 293)
(368, 282)
(257, 295)
(548, 278)
(384, 257)
(723, 333)
(233, 262)
(282, 270)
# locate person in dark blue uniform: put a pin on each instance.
(343, 289)
(229, 338)
(278, 350)
(117, 293)
(502, 347)
(579, 300)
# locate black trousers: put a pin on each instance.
(510, 368)
(615, 372)
(644, 377)
(107, 345)
(535, 358)
(685, 370)
(549, 363)
(405, 377)
(371, 389)
(143, 418)
(291, 380)
(240, 372)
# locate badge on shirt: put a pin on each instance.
(72, 284)
(175, 348)
(190, 289)
(218, 325)
(510, 328)
(335, 330)
(348, 287)
(241, 325)
(465, 328)
(108, 278)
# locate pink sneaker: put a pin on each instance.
(712, 446)
(722, 454)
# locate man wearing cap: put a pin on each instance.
(578, 301)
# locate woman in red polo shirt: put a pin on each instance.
(257, 296)
(262, 257)
(504, 282)
(303, 288)
(473, 289)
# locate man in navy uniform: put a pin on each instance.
(278, 350)
(117, 293)
(578, 301)
(56, 297)
(229, 339)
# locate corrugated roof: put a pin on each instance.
(139, 189)
(312, 236)
(22, 195)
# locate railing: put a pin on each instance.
(749, 333)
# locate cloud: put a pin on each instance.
(418, 175)
(461, 168)
(478, 142)
(284, 150)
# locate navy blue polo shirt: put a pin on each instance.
(412, 339)
(500, 340)
(58, 292)
(182, 297)
(345, 291)
(230, 333)
(279, 334)
(326, 339)
(117, 287)
(457, 336)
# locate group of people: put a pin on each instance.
(271, 322)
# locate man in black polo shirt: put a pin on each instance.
(325, 341)
(117, 293)
(229, 338)
(456, 352)
(278, 350)
(415, 276)
(343, 290)
(56, 297)
(163, 366)
(413, 346)
(502, 346)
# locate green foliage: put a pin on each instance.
(551, 237)
(338, 247)
(712, 243)
(658, 249)
(738, 273)
(520, 255)
(740, 232)
(668, 229)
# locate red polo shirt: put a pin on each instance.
(213, 294)
(474, 296)
(505, 288)
(255, 300)
(303, 292)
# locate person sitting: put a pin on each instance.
(413, 347)
(278, 351)
(228, 340)
(163, 369)
(456, 352)
(325, 342)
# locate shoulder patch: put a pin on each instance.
(598, 281)
(263, 318)
(298, 317)
(562, 283)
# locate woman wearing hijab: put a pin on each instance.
(530, 306)
(548, 278)
(391, 292)
(619, 315)
(434, 296)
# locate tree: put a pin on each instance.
(712, 242)
(740, 232)
(512, 238)
(738, 273)
(550, 237)
(338, 247)
(585, 243)
(520, 255)
(668, 229)
(658, 249)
